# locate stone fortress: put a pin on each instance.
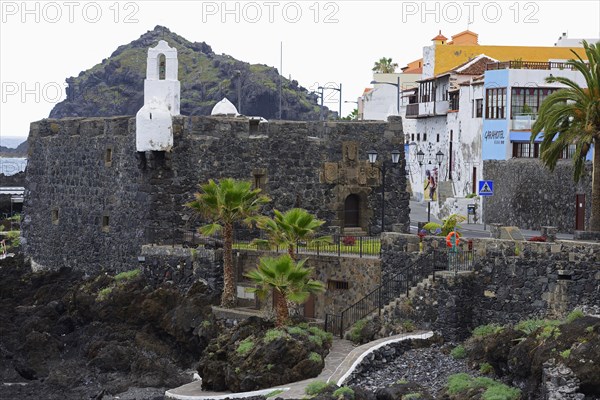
(98, 189)
(101, 191)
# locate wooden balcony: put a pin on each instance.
(412, 110)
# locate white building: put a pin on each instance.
(383, 100)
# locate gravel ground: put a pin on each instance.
(429, 367)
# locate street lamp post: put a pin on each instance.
(321, 88)
(238, 74)
(333, 88)
(355, 102)
(383, 168)
(397, 94)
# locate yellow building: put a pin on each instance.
(443, 55)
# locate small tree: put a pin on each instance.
(352, 116)
(385, 66)
(571, 116)
(293, 226)
(290, 279)
(449, 224)
(224, 204)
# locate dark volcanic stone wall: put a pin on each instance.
(67, 174)
(528, 195)
(511, 281)
(87, 212)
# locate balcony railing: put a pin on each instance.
(412, 110)
(523, 122)
(542, 65)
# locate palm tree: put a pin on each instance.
(288, 278)
(385, 66)
(224, 204)
(572, 116)
(294, 226)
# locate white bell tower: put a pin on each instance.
(154, 127)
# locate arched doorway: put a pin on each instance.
(352, 211)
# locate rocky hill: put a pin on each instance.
(116, 85)
(19, 151)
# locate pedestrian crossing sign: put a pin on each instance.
(486, 188)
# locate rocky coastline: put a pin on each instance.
(133, 336)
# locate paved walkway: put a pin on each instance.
(418, 213)
(342, 359)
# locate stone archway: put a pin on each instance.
(352, 211)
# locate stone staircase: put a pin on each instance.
(445, 190)
(388, 310)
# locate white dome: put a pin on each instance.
(224, 107)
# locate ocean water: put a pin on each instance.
(11, 166)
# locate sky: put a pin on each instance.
(325, 43)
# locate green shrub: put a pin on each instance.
(316, 340)
(548, 332)
(589, 329)
(575, 314)
(530, 325)
(566, 353)
(273, 334)
(297, 330)
(127, 275)
(408, 325)
(486, 330)
(356, 330)
(486, 368)
(410, 396)
(459, 352)
(315, 357)
(494, 390)
(103, 294)
(458, 383)
(326, 337)
(501, 392)
(206, 323)
(401, 382)
(270, 367)
(245, 346)
(316, 387)
(344, 392)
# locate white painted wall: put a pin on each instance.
(161, 101)
(431, 126)
(428, 61)
(535, 78)
(466, 141)
(381, 102)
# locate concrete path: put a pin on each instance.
(341, 361)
